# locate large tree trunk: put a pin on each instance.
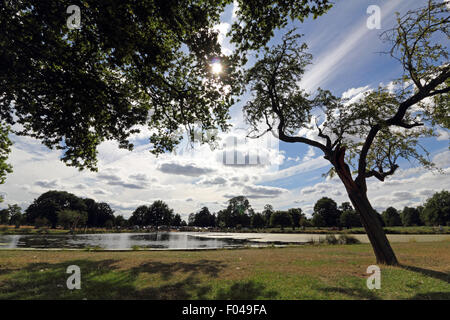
(380, 244)
(369, 219)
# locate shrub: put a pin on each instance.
(346, 239)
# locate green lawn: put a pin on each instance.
(300, 272)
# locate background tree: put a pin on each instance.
(410, 217)
(98, 213)
(176, 221)
(258, 221)
(267, 212)
(16, 217)
(349, 218)
(237, 213)
(158, 214)
(70, 219)
(436, 210)
(204, 218)
(327, 209)
(50, 203)
(391, 217)
(296, 215)
(4, 216)
(120, 221)
(138, 217)
(370, 135)
(281, 219)
(41, 222)
(5, 149)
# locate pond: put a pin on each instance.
(118, 241)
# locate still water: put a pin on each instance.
(118, 241)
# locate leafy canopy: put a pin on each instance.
(131, 64)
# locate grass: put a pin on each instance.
(294, 272)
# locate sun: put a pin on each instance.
(216, 67)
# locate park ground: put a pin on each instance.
(317, 271)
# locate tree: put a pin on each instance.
(120, 221)
(237, 213)
(158, 214)
(131, 63)
(391, 217)
(204, 218)
(369, 135)
(138, 217)
(258, 221)
(41, 222)
(4, 216)
(15, 214)
(349, 218)
(50, 203)
(296, 215)
(176, 222)
(436, 210)
(410, 217)
(5, 149)
(70, 219)
(327, 209)
(281, 218)
(267, 212)
(98, 213)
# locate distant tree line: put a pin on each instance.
(64, 209)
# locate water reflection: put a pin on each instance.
(163, 240)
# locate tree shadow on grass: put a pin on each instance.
(429, 273)
(104, 280)
(167, 270)
(431, 296)
(356, 293)
(248, 290)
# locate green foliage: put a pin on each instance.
(267, 212)
(346, 239)
(176, 221)
(5, 149)
(238, 213)
(70, 219)
(98, 213)
(297, 215)
(132, 63)
(391, 217)
(258, 221)
(326, 213)
(350, 219)
(202, 218)
(50, 203)
(157, 214)
(410, 217)
(4, 216)
(256, 19)
(41, 222)
(15, 214)
(436, 210)
(281, 219)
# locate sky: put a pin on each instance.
(347, 61)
